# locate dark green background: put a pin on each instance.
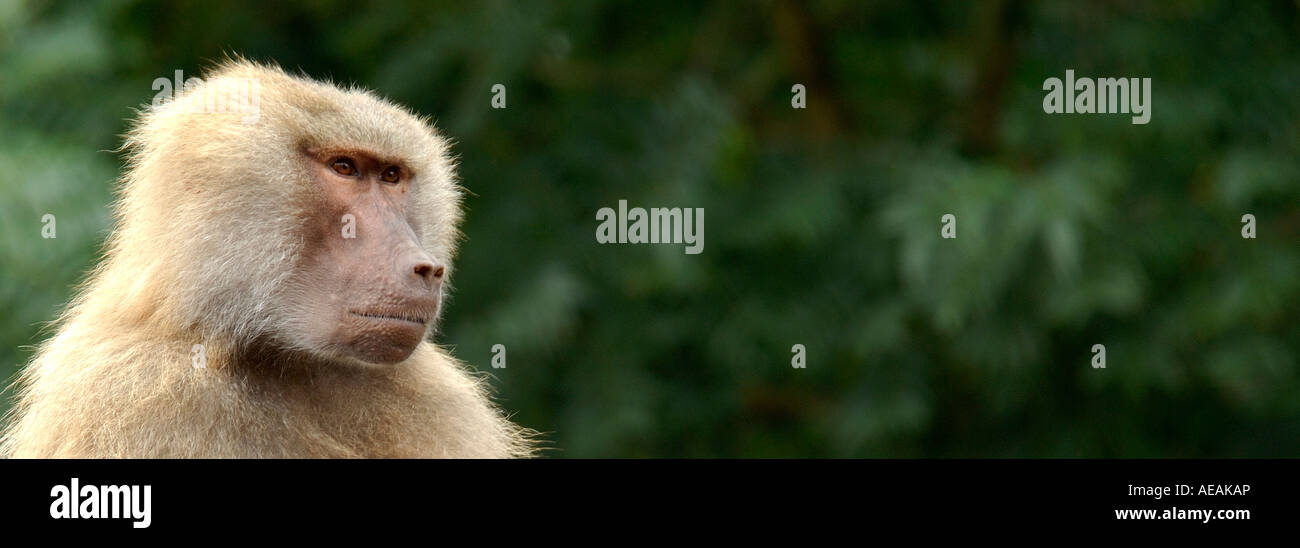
(822, 225)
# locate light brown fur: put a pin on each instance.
(207, 250)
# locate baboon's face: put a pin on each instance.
(373, 288)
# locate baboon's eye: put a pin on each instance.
(344, 166)
(391, 174)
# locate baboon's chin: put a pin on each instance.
(382, 350)
(380, 339)
(385, 357)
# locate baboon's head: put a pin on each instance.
(277, 208)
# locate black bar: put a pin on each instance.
(886, 495)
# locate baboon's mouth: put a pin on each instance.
(392, 317)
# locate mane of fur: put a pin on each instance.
(204, 247)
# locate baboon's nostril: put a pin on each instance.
(426, 271)
(429, 272)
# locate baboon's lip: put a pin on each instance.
(409, 318)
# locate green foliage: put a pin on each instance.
(822, 224)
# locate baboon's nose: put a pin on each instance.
(428, 272)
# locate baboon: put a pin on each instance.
(267, 291)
